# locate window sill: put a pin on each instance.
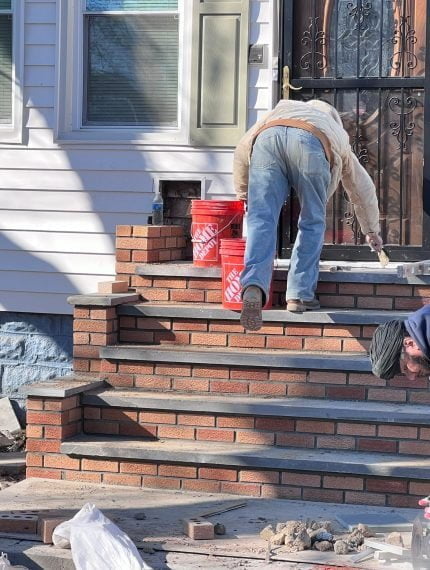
(121, 137)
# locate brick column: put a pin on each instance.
(147, 244)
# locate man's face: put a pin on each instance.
(413, 362)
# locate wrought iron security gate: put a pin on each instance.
(368, 59)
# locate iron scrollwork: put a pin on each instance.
(314, 38)
(403, 127)
(405, 37)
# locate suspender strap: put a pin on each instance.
(299, 124)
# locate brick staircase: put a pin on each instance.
(170, 392)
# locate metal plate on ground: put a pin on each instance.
(378, 522)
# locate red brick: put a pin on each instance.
(85, 477)
(251, 489)
(136, 430)
(119, 415)
(306, 391)
(386, 446)
(92, 413)
(103, 314)
(34, 431)
(402, 501)
(323, 344)
(255, 437)
(357, 498)
(303, 330)
(225, 326)
(139, 468)
(287, 376)
(275, 424)
(93, 326)
(47, 446)
(394, 290)
(355, 345)
(125, 368)
(209, 339)
(401, 432)
(267, 388)
(49, 418)
(421, 488)
(120, 380)
(190, 326)
(340, 331)
(218, 474)
(177, 370)
(81, 365)
(124, 268)
(356, 429)
(61, 405)
(43, 473)
(339, 482)
(81, 338)
(407, 304)
(176, 432)
(99, 465)
(315, 426)
(204, 284)
(122, 479)
(286, 342)
(178, 471)
(157, 417)
(162, 482)
(228, 387)
(327, 377)
(123, 255)
(213, 297)
(196, 420)
(215, 435)
(62, 432)
(335, 442)
(193, 385)
(280, 492)
(80, 313)
(34, 460)
(201, 486)
(147, 231)
(387, 485)
(341, 301)
(198, 528)
(365, 380)
(211, 372)
(108, 366)
(346, 392)
(249, 374)
(246, 341)
(61, 462)
(356, 289)
(403, 382)
(252, 476)
(34, 404)
(414, 447)
(153, 294)
(235, 422)
(301, 479)
(187, 296)
(375, 303)
(143, 337)
(101, 426)
(295, 440)
(170, 283)
(323, 495)
(122, 230)
(386, 395)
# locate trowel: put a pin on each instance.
(383, 256)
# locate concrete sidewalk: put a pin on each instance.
(152, 519)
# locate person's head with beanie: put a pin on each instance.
(402, 346)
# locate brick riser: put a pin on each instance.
(258, 382)
(331, 295)
(317, 486)
(282, 432)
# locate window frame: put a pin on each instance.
(11, 133)
(71, 80)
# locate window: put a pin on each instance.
(131, 51)
(10, 72)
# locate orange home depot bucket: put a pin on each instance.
(232, 256)
(213, 220)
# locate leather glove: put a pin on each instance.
(375, 241)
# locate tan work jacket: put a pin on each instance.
(345, 165)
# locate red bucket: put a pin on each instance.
(213, 220)
(232, 256)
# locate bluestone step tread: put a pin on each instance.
(12, 463)
(249, 456)
(267, 358)
(102, 299)
(272, 407)
(350, 272)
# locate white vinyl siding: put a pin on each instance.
(60, 200)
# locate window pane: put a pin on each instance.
(5, 69)
(135, 5)
(132, 75)
(5, 5)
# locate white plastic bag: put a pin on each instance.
(4, 562)
(97, 543)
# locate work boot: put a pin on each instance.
(298, 306)
(252, 302)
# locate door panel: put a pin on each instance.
(367, 58)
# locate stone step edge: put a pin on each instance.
(239, 357)
(210, 311)
(247, 456)
(62, 386)
(354, 275)
(12, 463)
(317, 409)
(103, 300)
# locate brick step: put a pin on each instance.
(275, 373)
(341, 330)
(317, 475)
(357, 287)
(295, 422)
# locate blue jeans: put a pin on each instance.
(285, 157)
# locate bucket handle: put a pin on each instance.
(217, 233)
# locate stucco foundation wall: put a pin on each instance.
(33, 347)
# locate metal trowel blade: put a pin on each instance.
(383, 257)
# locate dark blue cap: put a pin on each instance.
(418, 327)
